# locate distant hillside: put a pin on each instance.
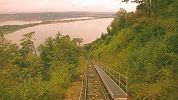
(52, 15)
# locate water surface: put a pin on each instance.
(89, 30)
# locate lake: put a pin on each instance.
(89, 30)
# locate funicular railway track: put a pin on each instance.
(96, 89)
(92, 86)
(100, 83)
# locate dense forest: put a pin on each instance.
(43, 73)
(143, 45)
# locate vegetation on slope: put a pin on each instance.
(26, 74)
(143, 46)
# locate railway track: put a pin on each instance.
(95, 86)
(101, 83)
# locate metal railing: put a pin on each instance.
(83, 91)
(118, 78)
(84, 88)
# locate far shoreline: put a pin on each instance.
(7, 29)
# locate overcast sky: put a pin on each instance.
(7, 6)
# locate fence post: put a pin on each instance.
(119, 80)
(126, 87)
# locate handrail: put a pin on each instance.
(122, 81)
(86, 87)
(114, 70)
(83, 92)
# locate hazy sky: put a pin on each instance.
(63, 5)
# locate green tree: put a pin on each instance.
(27, 45)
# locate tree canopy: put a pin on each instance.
(26, 74)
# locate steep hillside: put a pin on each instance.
(143, 46)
